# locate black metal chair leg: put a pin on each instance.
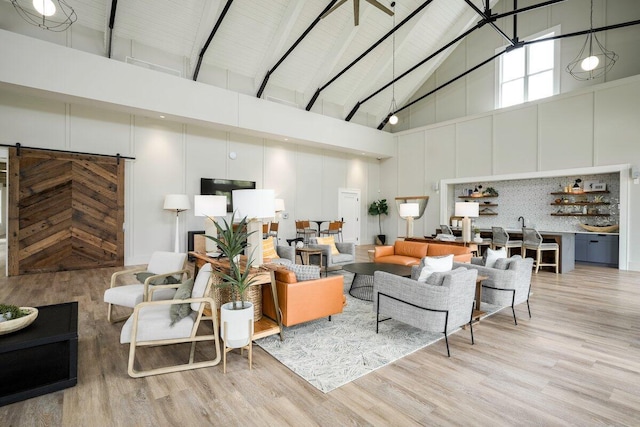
(528, 308)
(471, 329)
(513, 309)
(446, 340)
(329, 318)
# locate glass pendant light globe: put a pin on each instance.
(589, 63)
(393, 119)
(45, 7)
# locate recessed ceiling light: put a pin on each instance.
(286, 139)
(162, 117)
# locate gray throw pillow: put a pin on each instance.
(502, 264)
(180, 311)
(437, 278)
(144, 275)
(304, 272)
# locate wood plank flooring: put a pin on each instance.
(576, 362)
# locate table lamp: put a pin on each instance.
(178, 203)
(467, 210)
(409, 211)
(256, 205)
(210, 207)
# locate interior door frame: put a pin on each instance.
(357, 192)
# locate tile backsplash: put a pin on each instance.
(532, 198)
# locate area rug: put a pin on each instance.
(329, 354)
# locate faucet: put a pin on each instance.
(521, 218)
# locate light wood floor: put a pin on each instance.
(576, 362)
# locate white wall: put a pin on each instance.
(171, 157)
(475, 93)
(593, 127)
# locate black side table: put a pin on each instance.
(41, 358)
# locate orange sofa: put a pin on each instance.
(304, 301)
(410, 253)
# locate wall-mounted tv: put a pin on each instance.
(224, 187)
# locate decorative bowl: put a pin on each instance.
(600, 229)
(13, 325)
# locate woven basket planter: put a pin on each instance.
(222, 295)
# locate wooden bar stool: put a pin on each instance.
(532, 240)
(500, 239)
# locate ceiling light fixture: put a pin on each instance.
(594, 62)
(393, 119)
(52, 15)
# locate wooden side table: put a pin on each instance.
(306, 252)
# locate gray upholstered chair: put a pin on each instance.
(500, 239)
(532, 240)
(347, 254)
(442, 304)
(508, 282)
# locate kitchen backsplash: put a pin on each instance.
(532, 198)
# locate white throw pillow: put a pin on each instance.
(494, 255)
(433, 264)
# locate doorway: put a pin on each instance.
(349, 211)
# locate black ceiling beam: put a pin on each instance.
(365, 53)
(489, 19)
(478, 25)
(558, 37)
(410, 70)
(208, 42)
(112, 21)
(293, 46)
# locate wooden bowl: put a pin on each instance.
(21, 322)
(598, 229)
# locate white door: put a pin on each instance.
(349, 211)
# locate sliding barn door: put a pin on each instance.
(66, 211)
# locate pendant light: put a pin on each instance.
(593, 60)
(393, 119)
(52, 15)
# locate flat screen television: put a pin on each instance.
(224, 187)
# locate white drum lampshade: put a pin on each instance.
(255, 205)
(467, 210)
(210, 207)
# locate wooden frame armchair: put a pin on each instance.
(161, 266)
(151, 325)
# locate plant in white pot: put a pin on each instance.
(236, 316)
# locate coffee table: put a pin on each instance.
(362, 284)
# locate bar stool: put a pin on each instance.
(500, 239)
(445, 229)
(532, 240)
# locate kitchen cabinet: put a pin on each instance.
(597, 248)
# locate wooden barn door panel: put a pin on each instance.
(66, 211)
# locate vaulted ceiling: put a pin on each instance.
(285, 52)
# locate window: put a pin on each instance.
(528, 73)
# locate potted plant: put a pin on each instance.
(476, 235)
(236, 316)
(379, 208)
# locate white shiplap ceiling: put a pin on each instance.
(255, 34)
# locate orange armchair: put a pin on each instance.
(304, 301)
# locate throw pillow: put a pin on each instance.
(269, 249)
(493, 255)
(180, 311)
(329, 241)
(144, 275)
(502, 264)
(304, 272)
(437, 278)
(433, 264)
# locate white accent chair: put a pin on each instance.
(151, 325)
(161, 265)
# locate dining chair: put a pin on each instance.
(304, 230)
(500, 239)
(532, 240)
(445, 229)
(334, 229)
(273, 230)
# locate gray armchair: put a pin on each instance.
(442, 304)
(347, 254)
(508, 283)
(287, 255)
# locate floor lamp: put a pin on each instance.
(210, 207)
(467, 210)
(178, 203)
(256, 205)
(409, 211)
